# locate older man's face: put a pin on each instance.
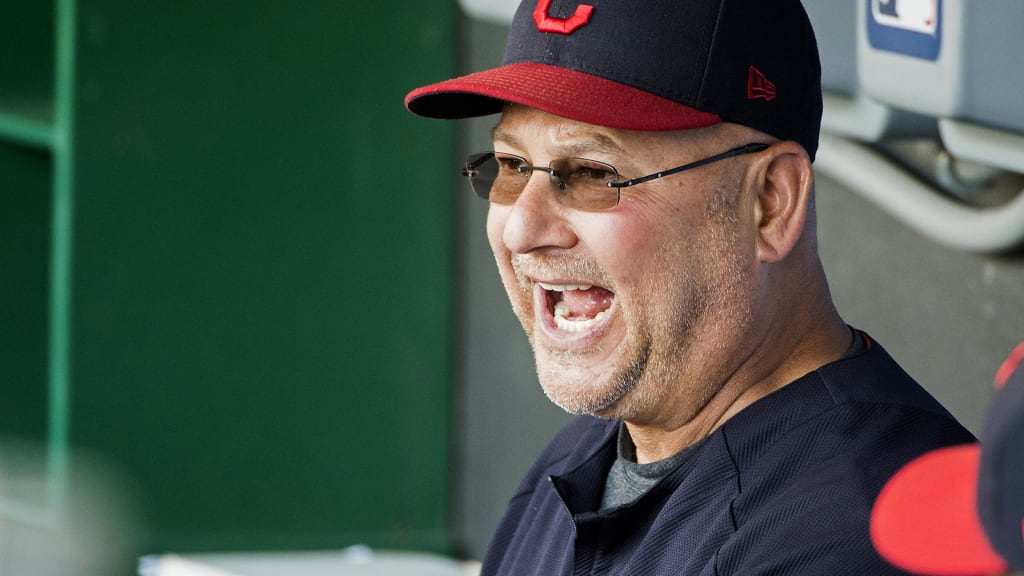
(634, 312)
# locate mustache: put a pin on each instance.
(528, 266)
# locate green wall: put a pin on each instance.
(235, 285)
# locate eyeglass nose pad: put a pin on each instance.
(556, 180)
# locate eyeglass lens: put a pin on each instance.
(577, 182)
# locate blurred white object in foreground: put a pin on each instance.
(352, 561)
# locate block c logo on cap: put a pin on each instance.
(565, 26)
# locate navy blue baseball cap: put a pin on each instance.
(651, 65)
(960, 510)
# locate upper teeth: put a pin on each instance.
(565, 287)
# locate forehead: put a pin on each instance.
(524, 128)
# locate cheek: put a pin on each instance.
(667, 260)
(628, 247)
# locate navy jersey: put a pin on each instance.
(784, 487)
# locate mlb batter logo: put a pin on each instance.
(909, 27)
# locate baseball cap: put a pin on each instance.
(960, 510)
(651, 65)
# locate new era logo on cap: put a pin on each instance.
(758, 86)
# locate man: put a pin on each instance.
(652, 220)
(960, 510)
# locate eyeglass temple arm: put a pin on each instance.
(471, 168)
(745, 149)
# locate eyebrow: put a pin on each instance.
(585, 143)
(499, 135)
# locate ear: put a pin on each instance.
(785, 184)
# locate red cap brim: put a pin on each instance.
(560, 91)
(925, 520)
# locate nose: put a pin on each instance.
(536, 220)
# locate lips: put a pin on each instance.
(576, 308)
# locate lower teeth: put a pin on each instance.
(562, 321)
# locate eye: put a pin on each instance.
(508, 163)
(583, 172)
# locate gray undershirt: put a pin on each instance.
(627, 480)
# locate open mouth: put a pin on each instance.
(576, 307)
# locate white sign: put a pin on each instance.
(914, 15)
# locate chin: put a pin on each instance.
(581, 391)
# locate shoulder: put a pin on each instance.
(847, 401)
(812, 459)
(535, 525)
(575, 442)
(873, 376)
(863, 414)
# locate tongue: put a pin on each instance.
(587, 303)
